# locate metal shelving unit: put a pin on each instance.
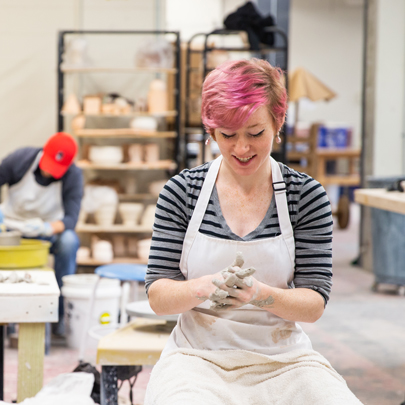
(168, 139)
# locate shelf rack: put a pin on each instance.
(131, 70)
(170, 163)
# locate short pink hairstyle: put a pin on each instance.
(236, 89)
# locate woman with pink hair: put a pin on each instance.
(242, 250)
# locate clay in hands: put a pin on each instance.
(235, 277)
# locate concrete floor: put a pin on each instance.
(362, 334)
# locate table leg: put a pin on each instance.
(31, 347)
(109, 385)
(2, 362)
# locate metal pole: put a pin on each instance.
(61, 48)
(178, 106)
(363, 126)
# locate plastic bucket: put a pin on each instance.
(31, 253)
(76, 291)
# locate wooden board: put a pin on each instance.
(337, 153)
(113, 228)
(31, 348)
(130, 114)
(28, 303)
(159, 165)
(119, 70)
(138, 343)
(393, 201)
(123, 133)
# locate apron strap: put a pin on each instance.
(199, 210)
(280, 193)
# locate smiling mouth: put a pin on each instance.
(244, 160)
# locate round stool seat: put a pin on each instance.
(122, 271)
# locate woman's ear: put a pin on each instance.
(212, 133)
(279, 128)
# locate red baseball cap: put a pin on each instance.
(58, 154)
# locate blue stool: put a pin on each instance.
(130, 275)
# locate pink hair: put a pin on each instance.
(236, 89)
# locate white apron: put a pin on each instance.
(27, 199)
(249, 327)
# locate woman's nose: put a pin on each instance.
(242, 145)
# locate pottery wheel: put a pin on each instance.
(142, 309)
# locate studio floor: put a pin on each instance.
(362, 334)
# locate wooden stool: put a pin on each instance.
(140, 342)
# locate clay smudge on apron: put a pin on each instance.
(280, 334)
(205, 321)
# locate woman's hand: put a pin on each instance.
(202, 287)
(237, 289)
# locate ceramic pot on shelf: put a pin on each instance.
(106, 154)
(157, 97)
(105, 215)
(83, 253)
(130, 213)
(148, 217)
(151, 152)
(103, 251)
(135, 152)
(144, 248)
(156, 187)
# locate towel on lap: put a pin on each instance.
(235, 377)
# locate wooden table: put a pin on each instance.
(138, 343)
(31, 306)
(393, 201)
(388, 253)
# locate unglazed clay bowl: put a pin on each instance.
(12, 238)
(130, 213)
(106, 154)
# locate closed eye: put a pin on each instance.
(226, 136)
(258, 134)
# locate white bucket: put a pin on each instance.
(76, 291)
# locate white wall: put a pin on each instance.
(28, 49)
(198, 16)
(326, 39)
(390, 70)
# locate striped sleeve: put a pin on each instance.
(313, 239)
(173, 212)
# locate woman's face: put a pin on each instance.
(247, 149)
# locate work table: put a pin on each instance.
(30, 305)
(382, 199)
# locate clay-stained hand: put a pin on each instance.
(203, 287)
(244, 291)
(237, 288)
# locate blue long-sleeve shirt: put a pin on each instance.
(14, 166)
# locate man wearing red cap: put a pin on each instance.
(44, 197)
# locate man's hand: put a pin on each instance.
(35, 227)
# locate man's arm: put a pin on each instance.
(15, 165)
(72, 194)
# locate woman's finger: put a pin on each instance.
(234, 280)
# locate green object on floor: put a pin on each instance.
(31, 253)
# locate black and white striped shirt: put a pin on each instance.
(310, 215)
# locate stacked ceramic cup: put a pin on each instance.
(130, 213)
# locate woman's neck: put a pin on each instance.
(261, 179)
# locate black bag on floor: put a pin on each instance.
(88, 368)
